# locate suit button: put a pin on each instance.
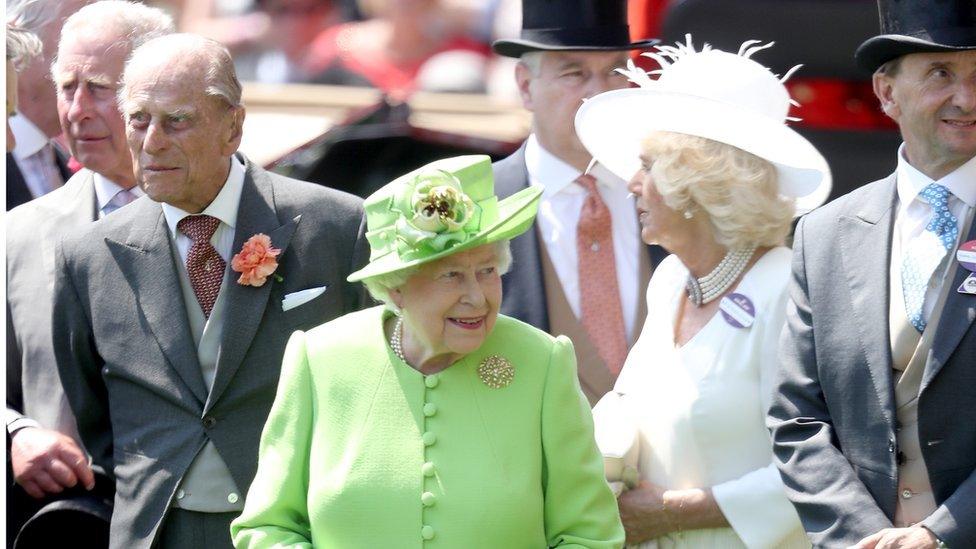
(209, 422)
(891, 446)
(429, 438)
(428, 469)
(427, 532)
(906, 493)
(105, 371)
(431, 381)
(180, 494)
(428, 499)
(232, 498)
(430, 409)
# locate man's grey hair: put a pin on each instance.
(131, 23)
(22, 46)
(220, 75)
(33, 15)
(532, 60)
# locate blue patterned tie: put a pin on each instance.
(924, 254)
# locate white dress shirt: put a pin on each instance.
(223, 207)
(559, 212)
(912, 215)
(700, 409)
(35, 157)
(105, 191)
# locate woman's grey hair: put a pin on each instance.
(380, 286)
(220, 77)
(133, 23)
(737, 190)
(22, 46)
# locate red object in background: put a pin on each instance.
(837, 104)
(645, 18)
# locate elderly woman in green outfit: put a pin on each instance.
(431, 421)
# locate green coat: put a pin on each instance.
(361, 450)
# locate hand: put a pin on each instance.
(642, 512)
(914, 537)
(46, 462)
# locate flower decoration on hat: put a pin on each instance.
(437, 214)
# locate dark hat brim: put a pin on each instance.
(878, 50)
(515, 47)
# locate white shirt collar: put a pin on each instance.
(549, 171)
(106, 189)
(30, 138)
(961, 182)
(224, 205)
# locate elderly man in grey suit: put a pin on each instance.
(171, 316)
(45, 456)
(874, 420)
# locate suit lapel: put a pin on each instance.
(957, 318)
(246, 304)
(865, 240)
(146, 260)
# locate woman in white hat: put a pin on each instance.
(718, 177)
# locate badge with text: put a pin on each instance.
(969, 285)
(737, 310)
(966, 254)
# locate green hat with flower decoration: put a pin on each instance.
(445, 207)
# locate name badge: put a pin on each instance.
(737, 310)
(969, 285)
(966, 255)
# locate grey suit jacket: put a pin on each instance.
(833, 416)
(127, 359)
(33, 229)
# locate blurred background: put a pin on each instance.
(350, 93)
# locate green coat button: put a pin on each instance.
(431, 381)
(427, 532)
(428, 499)
(428, 469)
(430, 409)
(429, 438)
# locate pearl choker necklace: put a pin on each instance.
(707, 288)
(396, 339)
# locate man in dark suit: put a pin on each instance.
(37, 166)
(169, 344)
(872, 422)
(568, 52)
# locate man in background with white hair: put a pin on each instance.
(168, 344)
(36, 166)
(45, 454)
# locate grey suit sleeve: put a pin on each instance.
(834, 505)
(360, 257)
(952, 522)
(79, 364)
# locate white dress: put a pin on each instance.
(699, 409)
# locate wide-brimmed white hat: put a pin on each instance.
(714, 94)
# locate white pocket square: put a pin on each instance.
(302, 297)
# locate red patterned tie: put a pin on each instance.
(203, 263)
(602, 314)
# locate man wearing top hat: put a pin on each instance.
(873, 420)
(583, 270)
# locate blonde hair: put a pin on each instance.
(737, 190)
(380, 286)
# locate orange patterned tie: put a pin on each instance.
(600, 306)
(203, 264)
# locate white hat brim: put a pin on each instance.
(613, 125)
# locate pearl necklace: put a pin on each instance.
(707, 288)
(396, 339)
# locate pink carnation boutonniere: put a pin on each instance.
(256, 261)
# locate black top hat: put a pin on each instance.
(587, 25)
(915, 26)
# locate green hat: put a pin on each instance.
(445, 207)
